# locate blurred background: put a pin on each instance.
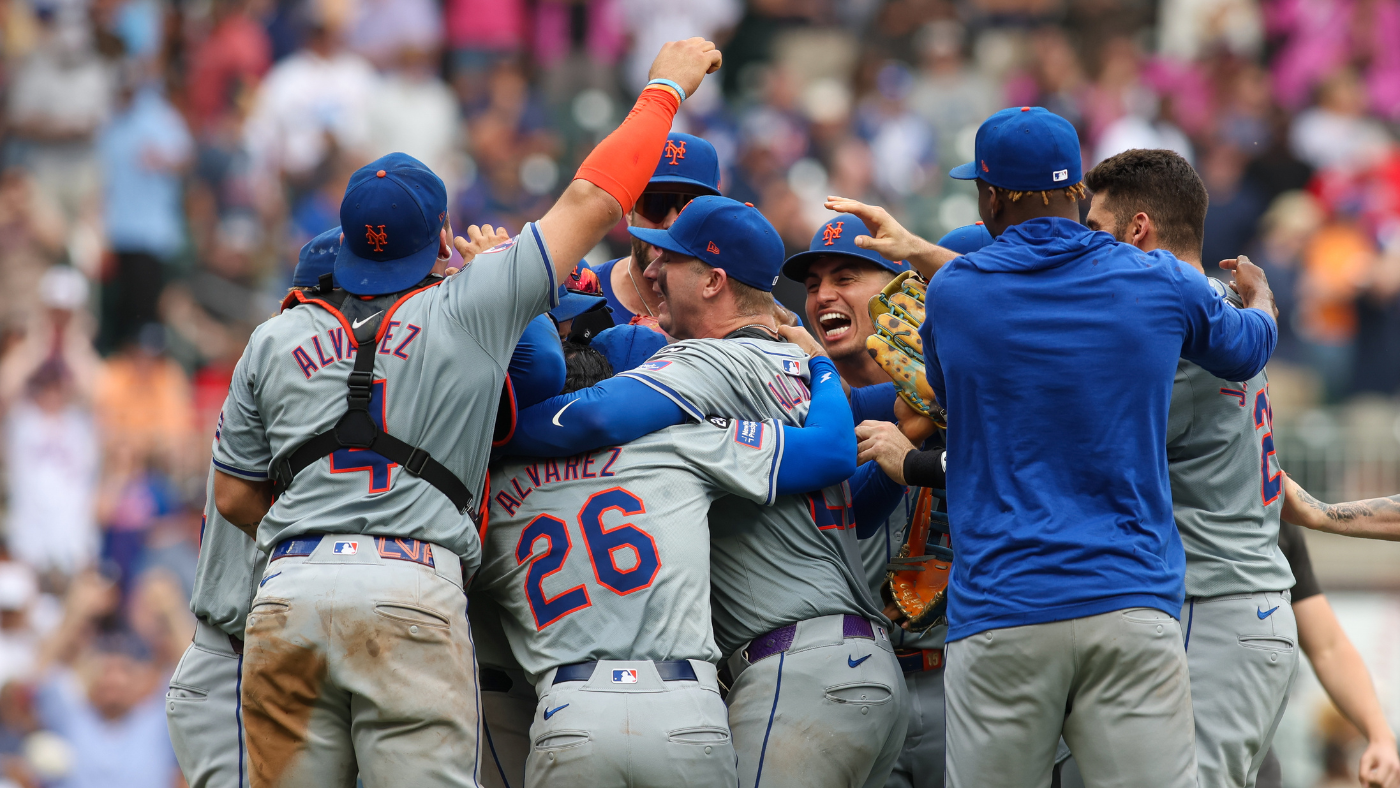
(163, 160)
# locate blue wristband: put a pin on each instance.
(680, 91)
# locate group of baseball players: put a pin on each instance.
(481, 555)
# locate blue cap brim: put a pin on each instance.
(708, 189)
(795, 268)
(572, 304)
(661, 239)
(964, 172)
(359, 276)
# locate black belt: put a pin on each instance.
(677, 670)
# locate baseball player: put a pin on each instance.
(1065, 593)
(1373, 518)
(373, 528)
(817, 695)
(602, 562)
(1227, 492)
(689, 167)
(841, 278)
(202, 705)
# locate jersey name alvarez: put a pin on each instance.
(312, 356)
(593, 465)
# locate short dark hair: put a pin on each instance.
(1161, 184)
(584, 366)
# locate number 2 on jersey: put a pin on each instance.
(602, 544)
(1264, 419)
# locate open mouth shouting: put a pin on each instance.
(834, 325)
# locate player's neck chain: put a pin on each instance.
(631, 262)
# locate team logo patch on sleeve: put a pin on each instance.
(624, 676)
(653, 366)
(792, 367)
(503, 246)
(749, 433)
(346, 548)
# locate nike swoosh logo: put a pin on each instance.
(269, 577)
(856, 662)
(561, 413)
(1263, 614)
(358, 323)
(551, 712)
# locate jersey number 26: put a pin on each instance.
(602, 544)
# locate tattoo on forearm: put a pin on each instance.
(1385, 508)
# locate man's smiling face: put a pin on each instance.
(839, 289)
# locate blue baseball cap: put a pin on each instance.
(687, 159)
(723, 233)
(392, 213)
(317, 257)
(1025, 149)
(626, 347)
(837, 237)
(966, 239)
(578, 293)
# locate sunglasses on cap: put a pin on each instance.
(654, 206)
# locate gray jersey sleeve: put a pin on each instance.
(224, 574)
(742, 457)
(502, 290)
(737, 378)
(240, 441)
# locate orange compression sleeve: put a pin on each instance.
(625, 160)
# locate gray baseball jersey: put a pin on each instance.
(223, 576)
(606, 555)
(1227, 487)
(770, 566)
(439, 369)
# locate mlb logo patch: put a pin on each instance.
(792, 367)
(624, 676)
(1059, 175)
(346, 548)
(652, 366)
(501, 247)
(749, 433)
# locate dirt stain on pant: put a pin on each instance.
(281, 682)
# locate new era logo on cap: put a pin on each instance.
(711, 248)
(346, 548)
(624, 676)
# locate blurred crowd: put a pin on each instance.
(163, 160)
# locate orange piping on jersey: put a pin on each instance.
(389, 313)
(303, 298)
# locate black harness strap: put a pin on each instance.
(356, 430)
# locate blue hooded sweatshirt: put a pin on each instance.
(1054, 351)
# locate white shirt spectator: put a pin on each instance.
(416, 113)
(1133, 131)
(1325, 139)
(52, 462)
(381, 28)
(654, 22)
(304, 98)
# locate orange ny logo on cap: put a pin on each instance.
(376, 239)
(712, 249)
(984, 166)
(675, 152)
(831, 233)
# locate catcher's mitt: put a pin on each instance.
(897, 313)
(919, 576)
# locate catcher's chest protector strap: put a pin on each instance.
(356, 429)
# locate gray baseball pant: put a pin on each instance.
(203, 712)
(646, 732)
(1115, 685)
(829, 711)
(354, 660)
(1243, 654)
(920, 763)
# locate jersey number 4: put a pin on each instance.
(603, 545)
(355, 460)
(1264, 419)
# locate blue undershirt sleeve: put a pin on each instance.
(822, 452)
(611, 413)
(1229, 343)
(876, 496)
(536, 367)
(873, 402)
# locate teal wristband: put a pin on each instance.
(680, 91)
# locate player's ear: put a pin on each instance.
(1141, 230)
(715, 280)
